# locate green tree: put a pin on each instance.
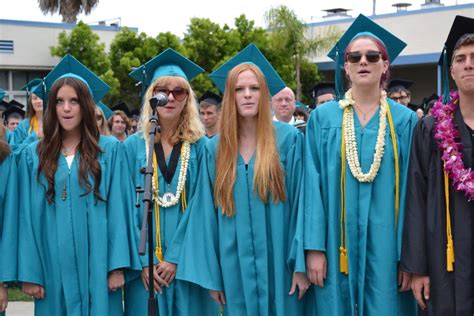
(84, 44)
(68, 9)
(288, 39)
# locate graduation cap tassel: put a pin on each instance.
(449, 235)
(339, 84)
(445, 77)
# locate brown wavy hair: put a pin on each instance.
(269, 176)
(4, 147)
(49, 148)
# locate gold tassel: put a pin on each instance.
(450, 255)
(159, 253)
(183, 199)
(343, 261)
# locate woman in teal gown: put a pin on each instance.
(8, 219)
(30, 129)
(179, 147)
(73, 223)
(353, 218)
(240, 239)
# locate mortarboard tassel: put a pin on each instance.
(445, 76)
(449, 235)
(339, 83)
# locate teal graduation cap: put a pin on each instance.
(250, 54)
(32, 85)
(167, 63)
(71, 67)
(105, 109)
(363, 26)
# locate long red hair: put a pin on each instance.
(269, 176)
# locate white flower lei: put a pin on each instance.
(350, 140)
(185, 154)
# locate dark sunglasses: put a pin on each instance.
(98, 117)
(372, 56)
(179, 94)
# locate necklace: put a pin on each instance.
(364, 115)
(66, 151)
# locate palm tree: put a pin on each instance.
(69, 9)
(288, 37)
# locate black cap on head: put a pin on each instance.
(12, 110)
(123, 107)
(211, 98)
(461, 25)
(396, 84)
(4, 105)
(324, 88)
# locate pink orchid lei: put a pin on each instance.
(446, 133)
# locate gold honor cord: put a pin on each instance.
(343, 255)
(159, 248)
(449, 235)
(33, 125)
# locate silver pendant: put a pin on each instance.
(168, 196)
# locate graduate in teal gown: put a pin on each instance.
(177, 154)
(240, 238)
(8, 220)
(74, 242)
(30, 129)
(354, 210)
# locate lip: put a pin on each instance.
(468, 76)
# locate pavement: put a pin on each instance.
(20, 309)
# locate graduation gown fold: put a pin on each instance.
(373, 236)
(69, 247)
(250, 256)
(22, 137)
(181, 298)
(8, 220)
(424, 246)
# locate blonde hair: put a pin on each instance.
(269, 176)
(190, 127)
(104, 129)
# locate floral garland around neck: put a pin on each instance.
(446, 133)
(184, 156)
(350, 139)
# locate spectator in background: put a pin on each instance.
(323, 92)
(119, 124)
(397, 90)
(210, 112)
(12, 117)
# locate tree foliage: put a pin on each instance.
(286, 44)
(83, 44)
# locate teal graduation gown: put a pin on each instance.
(23, 136)
(249, 255)
(69, 247)
(181, 298)
(373, 236)
(8, 220)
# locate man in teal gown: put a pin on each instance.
(244, 255)
(8, 220)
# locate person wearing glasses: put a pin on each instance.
(177, 152)
(240, 243)
(356, 160)
(398, 91)
(30, 129)
(101, 121)
(74, 243)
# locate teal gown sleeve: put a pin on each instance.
(22, 137)
(31, 268)
(314, 219)
(8, 220)
(199, 259)
(294, 186)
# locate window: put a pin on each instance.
(6, 46)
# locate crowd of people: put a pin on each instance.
(361, 206)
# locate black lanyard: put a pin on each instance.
(168, 171)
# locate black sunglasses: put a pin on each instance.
(179, 94)
(372, 56)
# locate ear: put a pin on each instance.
(385, 66)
